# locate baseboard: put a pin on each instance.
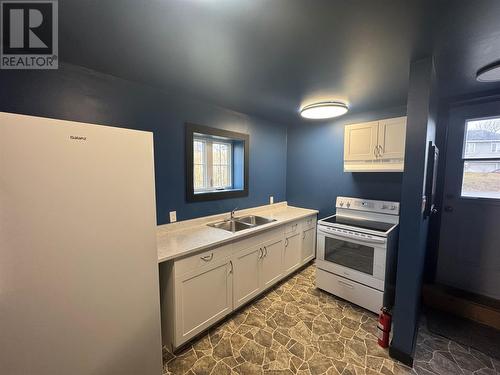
(468, 305)
(402, 357)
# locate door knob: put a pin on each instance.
(448, 209)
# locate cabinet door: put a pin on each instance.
(308, 244)
(247, 275)
(202, 297)
(391, 138)
(293, 252)
(360, 141)
(272, 262)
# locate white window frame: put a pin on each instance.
(203, 162)
(208, 185)
(466, 158)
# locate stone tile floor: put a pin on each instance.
(297, 329)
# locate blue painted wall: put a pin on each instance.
(420, 129)
(315, 175)
(78, 94)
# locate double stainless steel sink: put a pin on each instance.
(240, 223)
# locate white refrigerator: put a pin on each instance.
(78, 260)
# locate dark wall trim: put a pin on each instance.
(191, 129)
(401, 356)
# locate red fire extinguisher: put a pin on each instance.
(384, 327)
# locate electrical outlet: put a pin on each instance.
(271, 199)
(173, 216)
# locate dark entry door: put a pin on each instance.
(469, 249)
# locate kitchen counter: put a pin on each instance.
(179, 239)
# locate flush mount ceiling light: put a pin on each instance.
(323, 110)
(489, 73)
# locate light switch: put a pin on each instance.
(173, 216)
(271, 199)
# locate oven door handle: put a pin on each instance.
(344, 235)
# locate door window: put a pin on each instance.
(481, 162)
(350, 255)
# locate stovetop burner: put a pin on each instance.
(359, 223)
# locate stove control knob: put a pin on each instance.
(385, 207)
(341, 204)
(393, 207)
(348, 204)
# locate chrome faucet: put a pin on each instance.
(232, 212)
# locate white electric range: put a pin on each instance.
(356, 252)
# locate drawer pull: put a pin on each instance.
(208, 258)
(345, 284)
(294, 226)
(265, 251)
(230, 268)
(286, 242)
(261, 253)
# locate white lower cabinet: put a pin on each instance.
(293, 251)
(247, 270)
(256, 269)
(202, 297)
(308, 244)
(272, 262)
(199, 290)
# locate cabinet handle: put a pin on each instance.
(303, 235)
(381, 151)
(375, 151)
(230, 268)
(208, 258)
(286, 242)
(261, 253)
(265, 251)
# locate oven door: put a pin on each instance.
(356, 259)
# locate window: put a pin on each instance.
(481, 172)
(212, 168)
(216, 163)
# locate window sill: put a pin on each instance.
(215, 191)
(211, 195)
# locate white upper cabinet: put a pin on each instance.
(360, 141)
(377, 146)
(391, 138)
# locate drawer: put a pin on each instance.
(309, 222)
(259, 238)
(293, 227)
(205, 258)
(369, 298)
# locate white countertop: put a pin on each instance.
(185, 237)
